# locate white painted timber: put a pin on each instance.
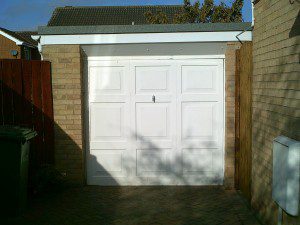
(156, 122)
(177, 37)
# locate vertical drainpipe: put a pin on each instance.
(40, 50)
(38, 39)
(252, 23)
(252, 5)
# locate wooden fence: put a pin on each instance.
(243, 118)
(26, 100)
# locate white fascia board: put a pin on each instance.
(179, 57)
(17, 41)
(86, 39)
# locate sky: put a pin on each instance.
(29, 14)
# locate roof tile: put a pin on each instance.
(108, 15)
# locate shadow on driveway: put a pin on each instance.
(139, 205)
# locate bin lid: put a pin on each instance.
(17, 133)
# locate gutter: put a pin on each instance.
(237, 36)
(252, 23)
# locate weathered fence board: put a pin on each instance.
(17, 91)
(7, 92)
(37, 109)
(243, 118)
(27, 92)
(26, 100)
(1, 94)
(47, 100)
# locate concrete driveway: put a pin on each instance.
(139, 205)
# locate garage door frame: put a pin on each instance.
(116, 58)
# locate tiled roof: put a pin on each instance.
(108, 15)
(24, 36)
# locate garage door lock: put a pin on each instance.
(153, 98)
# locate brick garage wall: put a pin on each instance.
(67, 102)
(230, 58)
(68, 114)
(276, 95)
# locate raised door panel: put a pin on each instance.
(200, 121)
(154, 162)
(107, 163)
(207, 162)
(107, 121)
(197, 79)
(107, 80)
(153, 120)
(151, 79)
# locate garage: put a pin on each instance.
(156, 121)
(142, 104)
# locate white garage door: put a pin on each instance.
(155, 122)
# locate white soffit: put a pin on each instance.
(86, 39)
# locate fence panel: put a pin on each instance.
(1, 94)
(8, 113)
(47, 100)
(27, 94)
(17, 90)
(244, 118)
(37, 109)
(26, 100)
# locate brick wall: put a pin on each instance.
(276, 95)
(230, 113)
(68, 114)
(6, 46)
(67, 103)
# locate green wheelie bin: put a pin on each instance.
(14, 159)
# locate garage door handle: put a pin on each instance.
(153, 98)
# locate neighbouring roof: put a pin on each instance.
(22, 36)
(108, 15)
(124, 19)
(26, 36)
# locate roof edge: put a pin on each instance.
(119, 6)
(148, 28)
(13, 36)
(10, 37)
